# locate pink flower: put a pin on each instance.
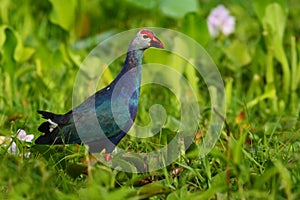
(220, 21)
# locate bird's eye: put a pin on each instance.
(145, 36)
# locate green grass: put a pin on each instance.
(257, 155)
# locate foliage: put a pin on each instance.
(42, 44)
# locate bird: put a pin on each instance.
(104, 118)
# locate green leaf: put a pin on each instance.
(125, 165)
(218, 186)
(149, 4)
(134, 159)
(238, 53)
(285, 176)
(12, 46)
(22, 53)
(218, 180)
(122, 193)
(260, 6)
(271, 94)
(63, 13)
(193, 79)
(152, 190)
(178, 8)
(180, 194)
(7, 48)
(172, 123)
(275, 19)
(2, 34)
(195, 26)
(271, 127)
(237, 149)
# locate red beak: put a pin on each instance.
(155, 42)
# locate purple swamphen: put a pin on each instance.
(104, 118)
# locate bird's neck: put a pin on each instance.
(132, 66)
(133, 59)
(127, 85)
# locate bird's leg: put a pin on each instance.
(107, 157)
(88, 162)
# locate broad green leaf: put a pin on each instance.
(149, 4)
(152, 190)
(122, 193)
(7, 49)
(103, 175)
(218, 154)
(178, 8)
(295, 67)
(193, 79)
(135, 160)
(218, 180)
(177, 62)
(63, 13)
(274, 22)
(2, 34)
(260, 6)
(238, 53)
(195, 27)
(12, 46)
(125, 165)
(22, 53)
(275, 18)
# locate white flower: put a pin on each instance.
(27, 154)
(220, 21)
(13, 149)
(22, 136)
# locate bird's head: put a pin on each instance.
(145, 39)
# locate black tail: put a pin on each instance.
(50, 137)
(49, 115)
(50, 128)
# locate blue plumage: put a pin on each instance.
(103, 119)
